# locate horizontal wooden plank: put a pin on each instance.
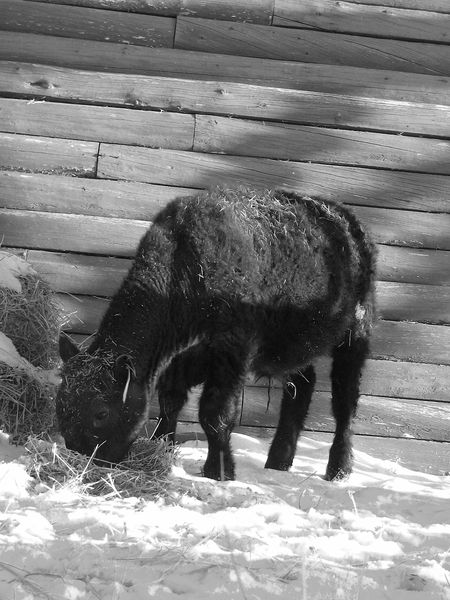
(78, 233)
(86, 23)
(351, 185)
(406, 228)
(96, 197)
(102, 124)
(434, 5)
(311, 46)
(317, 144)
(168, 62)
(47, 155)
(412, 265)
(409, 302)
(355, 18)
(385, 417)
(226, 98)
(402, 379)
(414, 342)
(419, 455)
(250, 11)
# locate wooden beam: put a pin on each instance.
(362, 19)
(91, 235)
(250, 11)
(88, 23)
(434, 5)
(168, 62)
(48, 155)
(379, 416)
(411, 265)
(96, 197)
(409, 302)
(225, 98)
(95, 123)
(214, 134)
(406, 228)
(413, 342)
(351, 185)
(241, 39)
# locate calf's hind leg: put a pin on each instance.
(348, 361)
(297, 392)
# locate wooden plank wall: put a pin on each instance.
(110, 108)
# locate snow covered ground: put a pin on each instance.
(385, 533)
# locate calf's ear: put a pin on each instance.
(67, 348)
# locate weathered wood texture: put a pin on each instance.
(311, 46)
(186, 170)
(376, 415)
(101, 124)
(106, 115)
(164, 62)
(250, 11)
(346, 184)
(91, 24)
(318, 144)
(48, 155)
(355, 18)
(237, 99)
(96, 197)
(434, 5)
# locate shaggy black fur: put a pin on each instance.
(227, 282)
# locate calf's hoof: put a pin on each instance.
(277, 465)
(221, 470)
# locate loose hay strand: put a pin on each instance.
(145, 471)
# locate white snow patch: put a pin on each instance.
(384, 533)
(11, 268)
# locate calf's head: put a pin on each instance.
(100, 405)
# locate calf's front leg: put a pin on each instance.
(219, 406)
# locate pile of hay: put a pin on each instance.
(145, 471)
(30, 320)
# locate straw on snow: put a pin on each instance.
(144, 472)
